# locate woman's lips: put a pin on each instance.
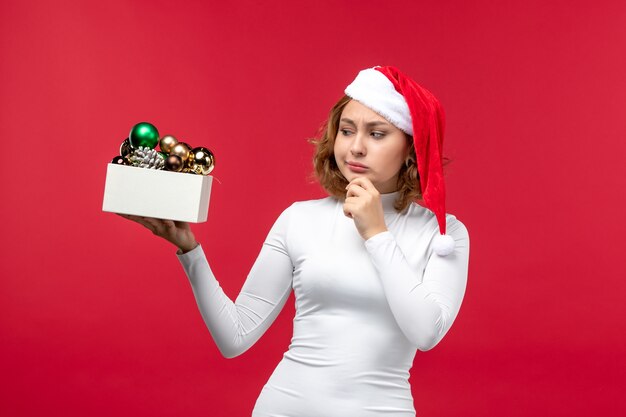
(356, 167)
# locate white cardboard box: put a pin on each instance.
(157, 193)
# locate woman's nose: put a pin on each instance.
(357, 147)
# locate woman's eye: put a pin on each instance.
(345, 132)
(378, 135)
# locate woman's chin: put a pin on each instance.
(350, 176)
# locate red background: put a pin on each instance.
(96, 315)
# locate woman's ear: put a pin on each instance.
(409, 157)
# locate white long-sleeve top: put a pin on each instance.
(363, 308)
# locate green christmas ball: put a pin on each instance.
(144, 134)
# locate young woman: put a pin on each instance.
(375, 275)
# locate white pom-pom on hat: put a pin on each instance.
(443, 245)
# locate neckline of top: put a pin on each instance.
(388, 200)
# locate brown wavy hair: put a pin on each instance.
(328, 174)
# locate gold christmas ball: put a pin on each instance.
(182, 150)
(173, 163)
(167, 143)
(201, 161)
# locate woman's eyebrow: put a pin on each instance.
(368, 124)
(376, 123)
(348, 121)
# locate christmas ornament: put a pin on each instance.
(119, 160)
(139, 150)
(125, 148)
(167, 143)
(174, 163)
(144, 134)
(201, 161)
(145, 157)
(182, 150)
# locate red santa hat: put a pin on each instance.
(414, 110)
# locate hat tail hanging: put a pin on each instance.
(428, 119)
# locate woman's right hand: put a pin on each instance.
(178, 233)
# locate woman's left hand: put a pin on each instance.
(363, 205)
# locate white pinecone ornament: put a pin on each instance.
(144, 157)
